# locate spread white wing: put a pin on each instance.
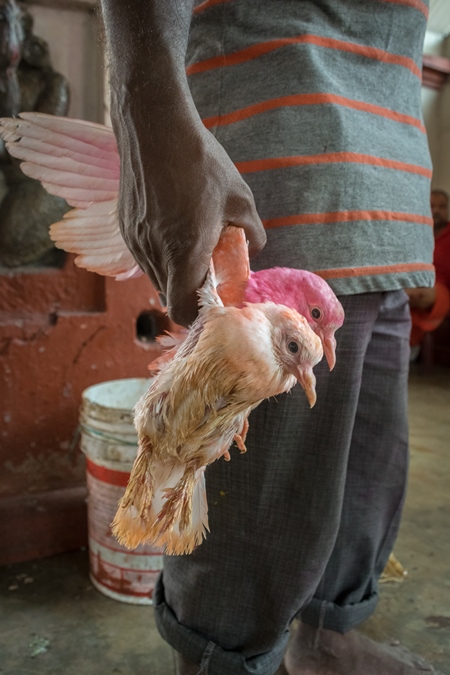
(78, 161)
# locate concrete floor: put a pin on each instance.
(53, 622)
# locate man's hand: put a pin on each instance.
(176, 197)
(178, 187)
(421, 298)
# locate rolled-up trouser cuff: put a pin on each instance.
(211, 659)
(323, 614)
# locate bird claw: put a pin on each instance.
(240, 443)
(226, 455)
(239, 438)
(244, 430)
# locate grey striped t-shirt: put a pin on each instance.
(318, 104)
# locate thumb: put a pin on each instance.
(255, 234)
(242, 212)
(183, 281)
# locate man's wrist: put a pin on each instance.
(147, 42)
(151, 98)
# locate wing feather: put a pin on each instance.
(78, 161)
(93, 233)
(81, 130)
(33, 141)
(73, 159)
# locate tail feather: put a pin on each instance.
(164, 505)
(182, 524)
(134, 514)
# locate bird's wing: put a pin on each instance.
(93, 233)
(231, 265)
(73, 159)
(170, 343)
(78, 161)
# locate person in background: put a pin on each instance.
(306, 116)
(430, 306)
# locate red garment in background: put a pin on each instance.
(424, 321)
(441, 256)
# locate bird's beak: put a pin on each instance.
(307, 379)
(329, 347)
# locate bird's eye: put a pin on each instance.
(316, 313)
(293, 347)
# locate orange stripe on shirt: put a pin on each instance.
(344, 217)
(261, 48)
(415, 4)
(207, 4)
(341, 272)
(255, 165)
(309, 99)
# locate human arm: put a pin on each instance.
(178, 187)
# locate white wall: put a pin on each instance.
(436, 113)
(75, 51)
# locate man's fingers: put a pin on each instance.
(182, 285)
(183, 311)
(182, 306)
(256, 236)
(156, 276)
(241, 211)
(153, 278)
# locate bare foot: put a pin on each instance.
(313, 651)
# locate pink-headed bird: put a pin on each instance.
(231, 359)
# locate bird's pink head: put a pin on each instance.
(305, 292)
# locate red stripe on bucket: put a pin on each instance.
(110, 476)
(113, 587)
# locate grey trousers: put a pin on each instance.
(303, 524)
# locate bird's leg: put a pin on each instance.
(225, 452)
(226, 455)
(244, 430)
(240, 443)
(239, 438)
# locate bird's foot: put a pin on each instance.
(226, 455)
(244, 430)
(240, 443)
(316, 651)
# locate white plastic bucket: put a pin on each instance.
(109, 441)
